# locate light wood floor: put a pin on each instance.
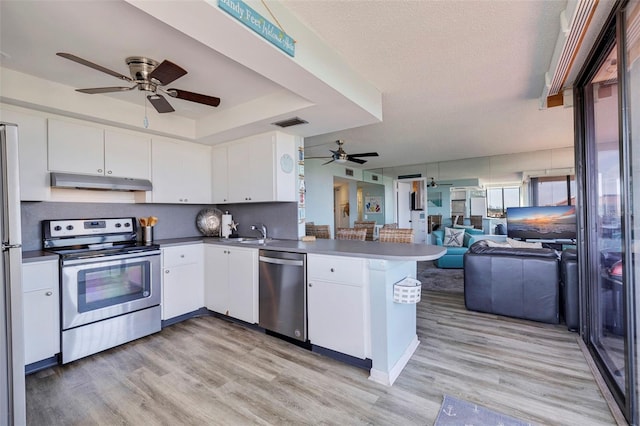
(210, 371)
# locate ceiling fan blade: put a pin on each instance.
(160, 103)
(356, 160)
(330, 161)
(316, 158)
(167, 72)
(86, 63)
(365, 154)
(194, 97)
(97, 90)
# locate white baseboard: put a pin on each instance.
(387, 379)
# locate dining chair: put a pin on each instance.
(369, 225)
(359, 234)
(399, 235)
(322, 232)
(309, 228)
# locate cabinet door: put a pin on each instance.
(336, 317)
(183, 280)
(34, 173)
(75, 148)
(181, 290)
(41, 311)
(127, 155)
(181, 172)
(243, 284)
(251, 169)
(216, 290)
(219, 178)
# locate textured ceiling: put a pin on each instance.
(460, 79)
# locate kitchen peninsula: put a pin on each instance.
(351, 308)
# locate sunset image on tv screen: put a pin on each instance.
(545, 223)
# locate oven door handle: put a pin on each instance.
(111, 258)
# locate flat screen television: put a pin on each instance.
(542, 223)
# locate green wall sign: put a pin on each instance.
(252, 19)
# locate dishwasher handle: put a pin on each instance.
(281, 261)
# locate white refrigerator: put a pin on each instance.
(12, 387)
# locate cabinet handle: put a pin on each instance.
(182, 256)
(166, 271)
(99, 170)
(186, 199)
(332, 270)
(180, 199)
(109, 172)
(49, 293)
(310, 285)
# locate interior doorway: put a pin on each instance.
(411, 207)
(343, 201)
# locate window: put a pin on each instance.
(553, 191)
(498, 199)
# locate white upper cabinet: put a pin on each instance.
(84, 149)
(181, 172)
(127, 155)
(259, 168)
(75, 148)
(32, 137)
(219, 176)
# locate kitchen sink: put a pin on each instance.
(259, 241)
(248, 240)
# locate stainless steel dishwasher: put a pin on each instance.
(283, 293)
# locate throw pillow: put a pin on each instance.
(492, 243)
(453, 237)
(522, 244)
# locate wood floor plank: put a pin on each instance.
(209, 370)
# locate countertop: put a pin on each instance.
(365, 249)
(38, 256)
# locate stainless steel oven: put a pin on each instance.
(109, 283)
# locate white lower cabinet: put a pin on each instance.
(231, 281)
(182, 280)
(41, 310)
(338, 304)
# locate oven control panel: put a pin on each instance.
(77, 227)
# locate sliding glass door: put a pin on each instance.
(607, 156)
(606, 286)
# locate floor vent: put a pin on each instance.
(290, 122)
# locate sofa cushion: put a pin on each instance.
(482, 247)
(456, 251)
(453, 237)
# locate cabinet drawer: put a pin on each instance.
(182, 255)
(40, 275)
(346, 270)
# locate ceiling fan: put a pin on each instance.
(149, 76)
(340, 156)
(433, 184)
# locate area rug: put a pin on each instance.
(456, 412)
(438, 279)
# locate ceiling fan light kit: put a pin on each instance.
(147, 75)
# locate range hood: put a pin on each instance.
(71, 180)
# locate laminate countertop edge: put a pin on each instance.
(363, 249)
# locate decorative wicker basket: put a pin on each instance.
(407, 291)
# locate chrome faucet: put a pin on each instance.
(262, 229)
